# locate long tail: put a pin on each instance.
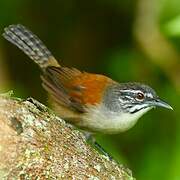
(30, 44)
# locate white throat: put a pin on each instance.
(126, 121)
(110, 122)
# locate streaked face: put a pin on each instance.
(122, 106)
(134, 97)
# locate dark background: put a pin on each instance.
(126, 40)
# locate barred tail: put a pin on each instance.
(30, 44)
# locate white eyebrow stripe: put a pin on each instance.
(131, 91)
(149, 95)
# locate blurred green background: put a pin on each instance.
(127, 40)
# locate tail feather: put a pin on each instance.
(30, 44)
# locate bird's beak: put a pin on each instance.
(160, 103)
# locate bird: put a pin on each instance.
(92, 102)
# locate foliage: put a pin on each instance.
(108, 37)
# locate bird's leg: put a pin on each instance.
(91, 139)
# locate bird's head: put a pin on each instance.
(132, 98)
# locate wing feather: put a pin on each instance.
(73, 88)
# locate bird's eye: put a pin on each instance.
(140, 96)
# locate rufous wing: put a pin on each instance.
(74, 89)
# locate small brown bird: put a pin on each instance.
(90, 101)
